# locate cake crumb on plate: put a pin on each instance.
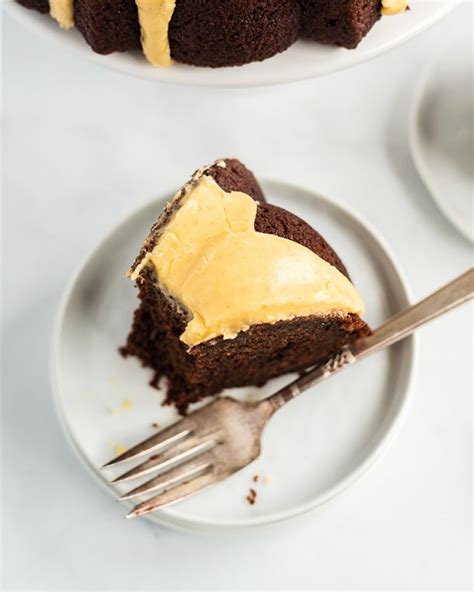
(117, 448)
(125, 404)
(252, 496)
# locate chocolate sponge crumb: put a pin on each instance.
(252, 496)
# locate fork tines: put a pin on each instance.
(181, 461)
(205, 447)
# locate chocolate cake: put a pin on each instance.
(234, 291)
(339, 23)
(213, 32)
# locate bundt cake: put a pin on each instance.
(215, 32)
(234, 291)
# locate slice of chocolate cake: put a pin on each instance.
(234, 291)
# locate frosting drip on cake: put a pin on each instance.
(228, 277)
(63, 12)
(155, 17)
(391, 7)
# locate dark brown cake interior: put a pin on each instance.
(254, 356)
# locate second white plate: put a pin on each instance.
(312, 449)
(442, 131)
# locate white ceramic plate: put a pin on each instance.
(442, 131)
(313, 449)
(302, 61)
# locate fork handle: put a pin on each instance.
(395, 329)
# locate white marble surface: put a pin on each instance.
(82, 147)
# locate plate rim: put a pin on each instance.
(205, 526)
(20, 15)
(415, 143)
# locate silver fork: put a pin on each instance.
(217, 440)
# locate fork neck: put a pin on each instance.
(310, 378)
